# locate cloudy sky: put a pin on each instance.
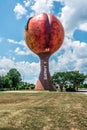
(13, 50)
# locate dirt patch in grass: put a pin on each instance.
(43, 111)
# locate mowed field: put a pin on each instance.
(43, 111)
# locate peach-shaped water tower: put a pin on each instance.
(44, 35)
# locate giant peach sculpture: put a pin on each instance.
(44, 35)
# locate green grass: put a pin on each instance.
(43, 111)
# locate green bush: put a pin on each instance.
(65, 86)
(83, 86)
(31, 86)
(25, 87)
(20, 87)
(69, 88)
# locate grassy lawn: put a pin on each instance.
(43, 111)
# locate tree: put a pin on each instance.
(7, 82)
(71, 77)
(1, 82)
(76, 78)
(59, 78)
(14, 76)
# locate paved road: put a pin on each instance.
(84, 91)
(20, 91)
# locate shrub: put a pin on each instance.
(31, 86)
(20, 87)
(69, 88)
(83, 86)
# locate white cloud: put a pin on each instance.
(19, 11)
(42, 6)
(74, 57)
(27, 3)
(29, 71)
(24, 51)
(5, 64)
(73, 14)
(83, 27)
(19, 51)
(16, 42)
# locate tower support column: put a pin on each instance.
(44, 82)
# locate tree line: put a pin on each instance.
(71, 81)
(13, 81)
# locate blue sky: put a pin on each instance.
(13, 50)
